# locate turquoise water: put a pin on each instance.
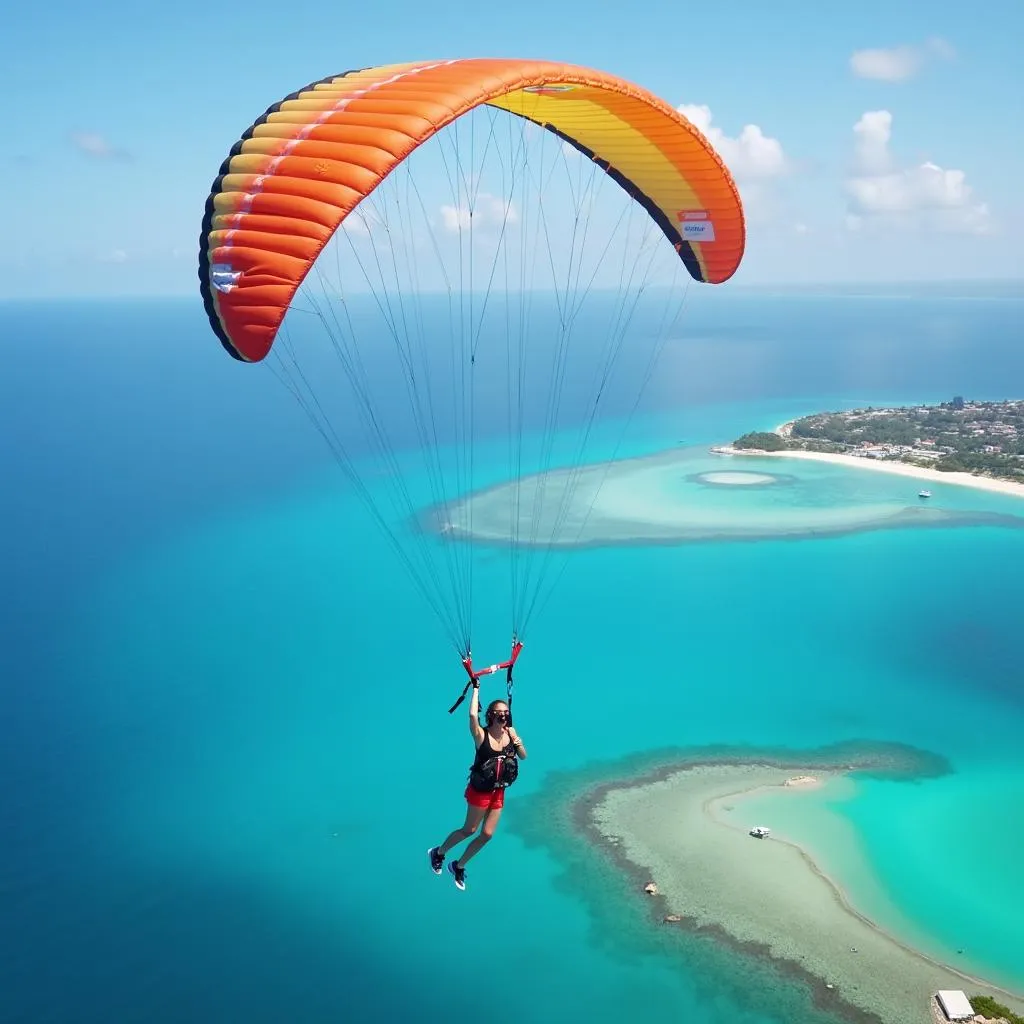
(975, 823)
(933, 863)
(316, 665)
(228, 740)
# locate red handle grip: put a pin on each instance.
(477, 673)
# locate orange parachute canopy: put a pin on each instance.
(306, 164)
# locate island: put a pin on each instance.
(660, 848)
(984, 439)
(692, 494)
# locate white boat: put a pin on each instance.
(760, 832)
(924, 494)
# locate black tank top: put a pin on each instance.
(502, 771)
(485, 751)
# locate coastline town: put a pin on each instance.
(982, 438)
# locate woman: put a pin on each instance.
(494, 768)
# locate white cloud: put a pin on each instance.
(358, 222)
(96, 146)
(749, 155)
(940, 48)
(488, 211)
(898, 63)
(756, 161)
(923, 196)
(455, 217)
(871, 146)
(369, 224)
(895, 65)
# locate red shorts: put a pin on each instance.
(492, 801)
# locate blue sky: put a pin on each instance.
(120, 114)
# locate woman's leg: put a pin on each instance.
(490, 824)
(474, 815)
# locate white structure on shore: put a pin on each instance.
(955, 1005)
(760, 832)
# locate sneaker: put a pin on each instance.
(436, 859)
(458, 873)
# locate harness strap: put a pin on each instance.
(508, 689)
(462, 696)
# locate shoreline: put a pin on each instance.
(839, 986)
(894, 466)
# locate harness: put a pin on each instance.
(497, 772)
(475, 674)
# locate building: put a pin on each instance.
(955, 1005)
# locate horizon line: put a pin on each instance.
(795, 286)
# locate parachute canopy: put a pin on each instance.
(308, 162)
(459, 270)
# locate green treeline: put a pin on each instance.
(957, 436)
(839, 430)
(1007, 466)
(988, 1007)
(762, 440)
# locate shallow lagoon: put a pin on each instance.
(693, 494)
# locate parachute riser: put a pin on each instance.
(475, 674)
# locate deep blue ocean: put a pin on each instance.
(225, 746)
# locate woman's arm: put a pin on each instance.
(474, 715)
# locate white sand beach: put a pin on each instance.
(803, 781)
(982, 483)
(688, 834)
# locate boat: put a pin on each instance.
(924, 494)
(760, 832)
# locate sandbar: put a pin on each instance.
(735, 478)
(685, 832)
(677, 819)
(684, 495)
